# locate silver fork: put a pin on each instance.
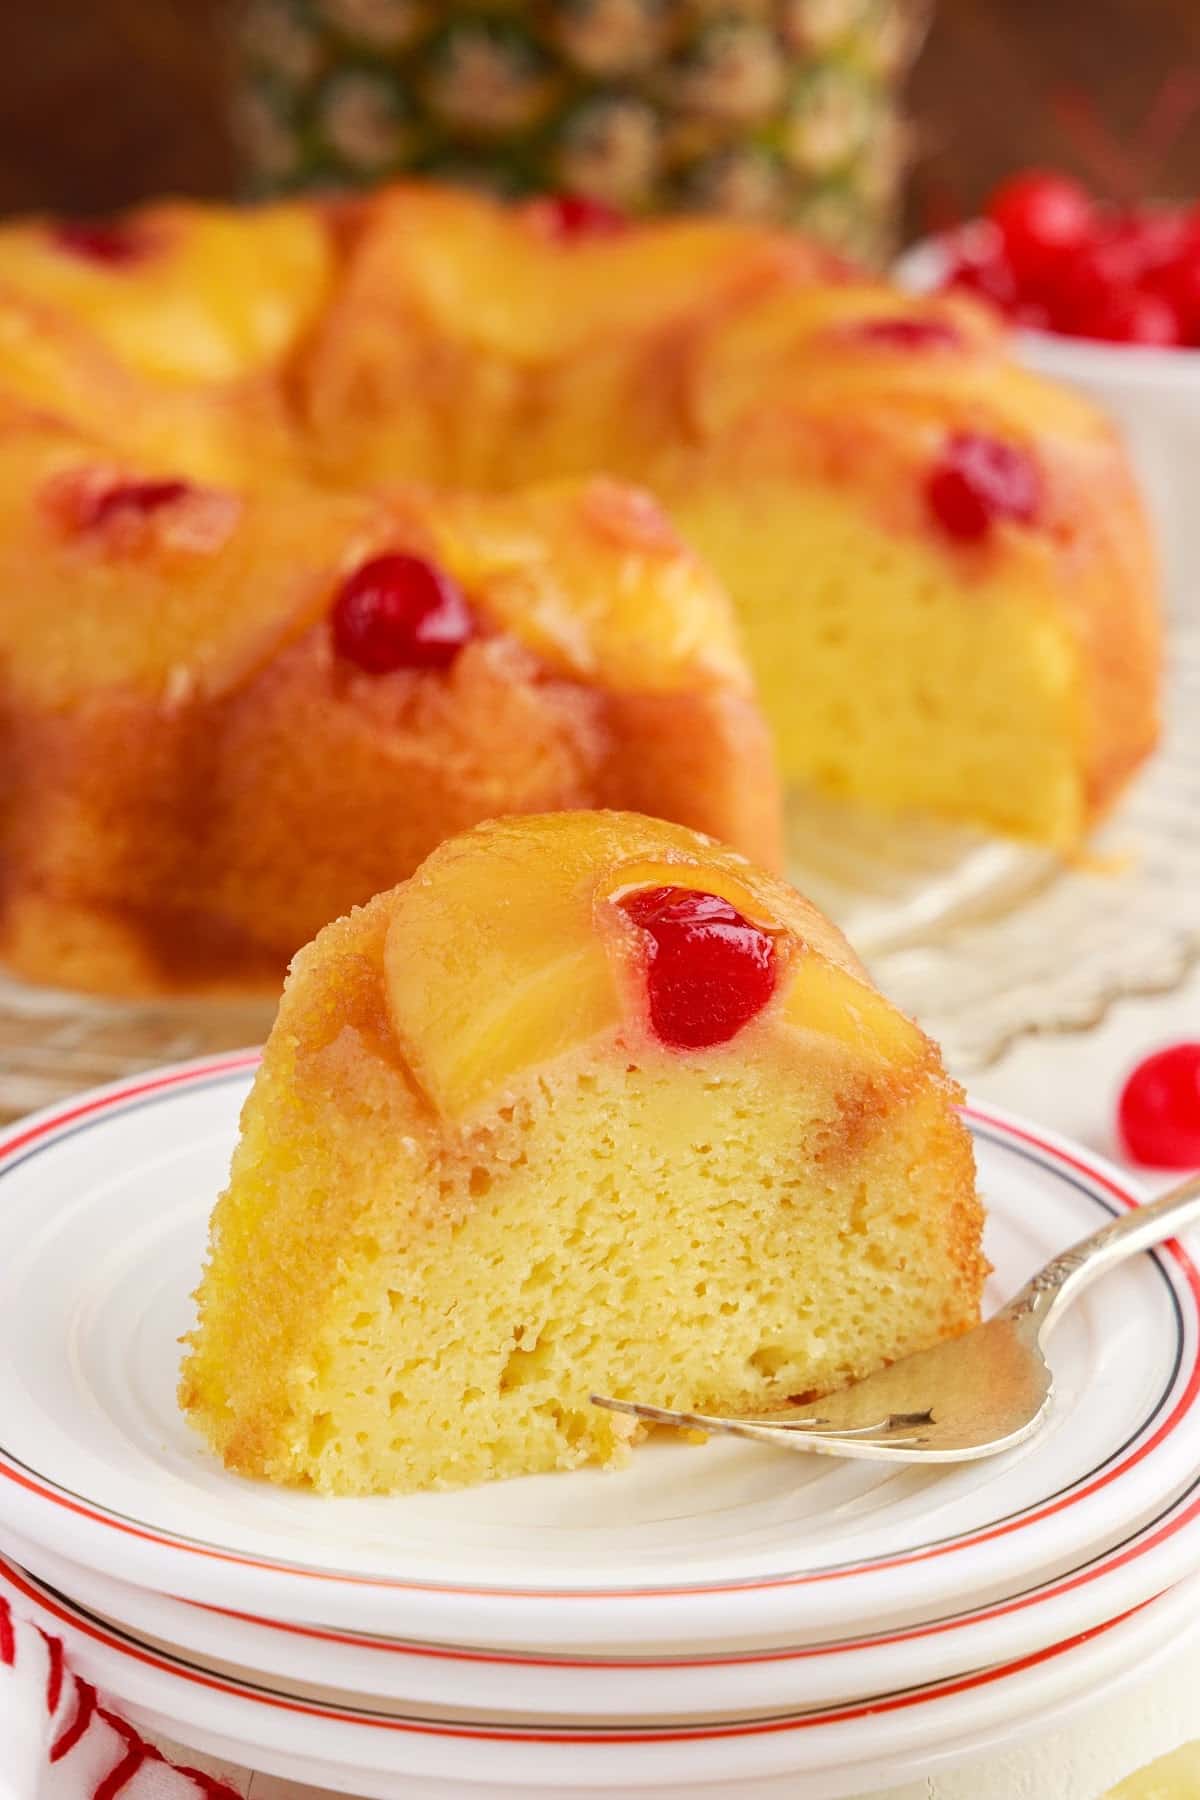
(972, 1396)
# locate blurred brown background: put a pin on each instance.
(103, 101)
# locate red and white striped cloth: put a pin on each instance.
(58, 1741)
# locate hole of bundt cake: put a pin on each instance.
(362, 1321)
(479, 1182)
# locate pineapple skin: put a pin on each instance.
(780, 110)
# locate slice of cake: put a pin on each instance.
(589, 1103)
(228, 717)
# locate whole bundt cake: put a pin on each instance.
(588, 1104)
(279, 609)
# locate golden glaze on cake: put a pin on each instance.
(194, 786)
(475, 1184)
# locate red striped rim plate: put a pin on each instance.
(103, 1205)
(316, 1734)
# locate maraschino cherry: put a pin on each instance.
(1159, 1109)
(99, 241)
(1042, 217)
(568, 218)
(979, 480)
(400, 612)
(981, 267)
(1053, 258)
(1179, 284)
(1139, 317)
(135, 499)
(709, 971)
(907, 333)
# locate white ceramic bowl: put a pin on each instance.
(1154, 397)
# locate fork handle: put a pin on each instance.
(1047, 1294)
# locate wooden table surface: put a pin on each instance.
(104, 101)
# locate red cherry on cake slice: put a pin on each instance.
(1159, 1109)
(709, 971)
(400, 612)
(108, 243)
(979, 480)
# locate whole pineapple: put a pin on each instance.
(777, 109)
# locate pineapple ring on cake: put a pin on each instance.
(589, 1104)
(939, 563)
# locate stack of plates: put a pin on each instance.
(728, 1614)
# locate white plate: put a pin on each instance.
(371, 1748)
(103, 1210)
(638, 1685)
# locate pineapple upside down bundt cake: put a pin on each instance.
(588, 1104)
(213, 419)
